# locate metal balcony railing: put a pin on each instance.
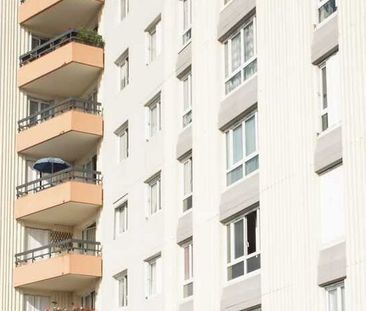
(72, 103)
(81, 175)
(82, 36)
(59, 248)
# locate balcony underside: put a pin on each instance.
(68, 71)
(66, 204)
(52, 17)
(67, 136)
(70, 272)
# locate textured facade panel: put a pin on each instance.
(235, 12)
(184, 61)
(328, 151)
(185, 227)
(242, 295)
(332, 264)
(352, 31)
(239, 103)
(325, 40)
(186, 306)
(184, 144)
(239, 197)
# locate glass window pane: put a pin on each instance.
(253, 263)
(250, 136)
(234, 175)
(251, 233)
(327, 9)
(236, 52)
(324, 87)
(237, 144)
(325, 124)
(332, 300)
(187, 177)
(154, 198)
(233, 83)
(250, 70)
(188, 290)
(226, 51)
(343, 299)
(153, 120)
(187, 263)
(235, 271)
(228, 243)
(249, 41)
(187, 203)
(251, 165)
(239, 239)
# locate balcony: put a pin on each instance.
(65, 198)
(52, 17)
(65, 66)
(66, 130)
(69, 265)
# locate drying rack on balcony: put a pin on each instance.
(73, 35)
(72, 103)
(71, 174)
(85, 247)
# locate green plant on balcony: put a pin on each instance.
(89, 36)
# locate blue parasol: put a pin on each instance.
(51, 165)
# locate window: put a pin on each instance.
(36, 303)
(188, 184)
(188, 269)
(124, 8)
(154, 195)
(330, 92)
(241, 149)
(153, 276)
(88, 301)
(123, 141)
(332, 207)
(121, 219)
(335, 297)
(187, 99)
(240, 56)
(153, 34)
(124, 70)
(35, 106)
(187, 21)
(122, 289)
(154, 116)
(326, 8)
(243, 245)
(37, 41)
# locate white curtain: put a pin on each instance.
(36, 303)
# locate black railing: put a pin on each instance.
(51, 112)
(82, 36)
(86, 176)
(59, 248)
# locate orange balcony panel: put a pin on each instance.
(68, 204)
(70, 272)
(68, 136)
(52, 17)
(68, 71)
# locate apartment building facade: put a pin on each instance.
(212, 155)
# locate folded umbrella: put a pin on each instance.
(51, 165)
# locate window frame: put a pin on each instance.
(156, 102)
(230, 167)
(120, 132)
(323, 110)
(122, 289)
(187, 112)
(230, 248)
(189, 280)
(153, 286)
(118, 210)
(123, 62)
(186, 29)
(124, 9)
(186, 196)
(155, 180)
(340, 291)
(320, 4)
(228, 73)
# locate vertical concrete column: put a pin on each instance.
(207, 161)
(352, 28)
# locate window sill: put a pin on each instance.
(329, 129)
(184, 46)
